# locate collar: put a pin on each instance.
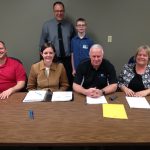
(52, 67)
(57, 22)
(85, 37)
(100, 66)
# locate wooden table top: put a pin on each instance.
(70, 123)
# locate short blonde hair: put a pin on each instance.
(146, 48)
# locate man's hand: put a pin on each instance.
(6, 94)
(93, 92)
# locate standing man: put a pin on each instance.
(97, 76)
(59, 31)
(12, 74)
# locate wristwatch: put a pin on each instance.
(103, 92)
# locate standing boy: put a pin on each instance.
(80, 45)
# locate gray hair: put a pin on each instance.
(97, 46)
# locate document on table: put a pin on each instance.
(35, 96)
(62, 96)
(99, 100)
(137, 102)
(116, 111)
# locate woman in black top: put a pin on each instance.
(134, 79)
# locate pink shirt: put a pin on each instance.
(11, 72)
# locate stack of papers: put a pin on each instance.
(35, 96)
(99, 100)
(137, 102)
(41, 95)
(62, 96)
(114, 111)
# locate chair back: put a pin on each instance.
(131, 60)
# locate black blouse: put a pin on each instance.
(136, 83)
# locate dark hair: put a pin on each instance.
(49, 44)
(3, 44)
(59, 3)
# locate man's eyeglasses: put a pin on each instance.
(58, 11)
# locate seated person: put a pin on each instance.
(47, 74)
(96, 76)
(12, 74)
(134, 79)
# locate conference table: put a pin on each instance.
(72, 123)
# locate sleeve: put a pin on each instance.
(91, 43)
(32, 79)
(63, 79)
(112, 77)
(121, 76)
(73, 31)
(20, 72)
(44, 35)
(71, 45)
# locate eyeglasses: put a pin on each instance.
(58, 11)
(81, 25)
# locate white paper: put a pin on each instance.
(35, 96)
(137, 102)
(99, 100)
(62, 96)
